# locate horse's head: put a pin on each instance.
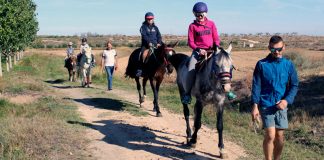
(222, 67)
(167, 51)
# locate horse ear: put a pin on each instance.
(229, 49)
(218, 50)
(175, 44)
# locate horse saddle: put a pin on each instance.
(147, 53)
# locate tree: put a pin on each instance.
(18, 27)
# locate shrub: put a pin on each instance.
(301, 62)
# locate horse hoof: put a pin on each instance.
(154, 109)
(191, 145)
(158, 114)
(188, 141)
(223, 155)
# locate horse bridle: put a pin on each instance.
(222, 75)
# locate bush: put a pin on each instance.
(130, 45)
(49, 46)
(182, 43)
(301, 62)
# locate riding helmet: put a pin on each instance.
(149, 15)
(84, 40)
(200, 7)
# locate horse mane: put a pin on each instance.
(177, 59)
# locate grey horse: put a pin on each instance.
(212, 81)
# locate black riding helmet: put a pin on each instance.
(84, 40)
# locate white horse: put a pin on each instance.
(85, 66)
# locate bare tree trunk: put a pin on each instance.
(7, 63)
(18, 54)
(15, 59)
(0, 65)
(10, 61)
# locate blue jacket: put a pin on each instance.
(274, 80)
(150, 34)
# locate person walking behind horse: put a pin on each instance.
(275, 84)
(110, 62)
(69, 52)
(151, 37)
(202, 35)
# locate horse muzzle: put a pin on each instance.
(225, 79)
(226, 87)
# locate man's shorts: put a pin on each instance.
(273, 117)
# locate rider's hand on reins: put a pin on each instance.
(202, 52)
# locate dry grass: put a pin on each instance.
(29, 138)
(37, 129)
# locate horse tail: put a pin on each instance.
(133, 63)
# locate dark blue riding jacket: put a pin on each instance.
(274, 80)
(150, 34)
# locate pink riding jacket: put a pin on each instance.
(203, 35)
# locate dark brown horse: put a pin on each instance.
(71, 67)
(153, 70)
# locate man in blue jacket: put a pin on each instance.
(275, 84)
(151, 37)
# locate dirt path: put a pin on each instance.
(118, 135)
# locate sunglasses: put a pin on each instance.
(200, 14)
(273, 50)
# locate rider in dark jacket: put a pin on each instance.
(151, 37)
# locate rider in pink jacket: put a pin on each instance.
(202, 35)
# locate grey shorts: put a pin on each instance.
(273, 117)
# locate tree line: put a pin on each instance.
(18, 29)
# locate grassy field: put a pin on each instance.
(37, 129)
(304, 136)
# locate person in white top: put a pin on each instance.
(84, 44)
(109, 61)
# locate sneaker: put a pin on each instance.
(186, 99)
(139, 73)
(231, 96)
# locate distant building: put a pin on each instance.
(249, 43)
